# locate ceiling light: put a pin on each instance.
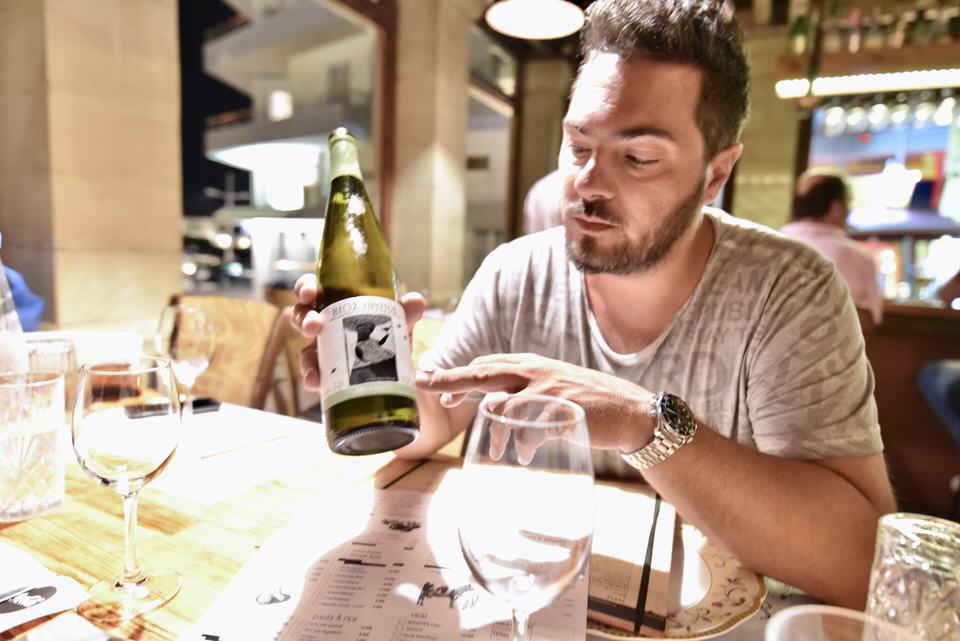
(535, 19)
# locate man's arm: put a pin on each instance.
(811, 524)
(808, 524)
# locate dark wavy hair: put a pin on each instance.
(702, 33)
(821, 191)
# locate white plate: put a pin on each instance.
(714, 594)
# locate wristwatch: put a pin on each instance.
(675, 428)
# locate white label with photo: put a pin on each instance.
(364, 350)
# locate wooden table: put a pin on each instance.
(239, 476)
(205, 541)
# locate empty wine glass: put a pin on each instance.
(126, 426)
(527, 522)
(186, 335)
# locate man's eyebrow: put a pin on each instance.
(633, 132)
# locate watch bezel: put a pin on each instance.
(675, 416)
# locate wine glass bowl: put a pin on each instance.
(126, 427)
(527, 523)
(187, 336)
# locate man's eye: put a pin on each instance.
(577, 150)
(638, 161)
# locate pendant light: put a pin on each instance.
(535, 19)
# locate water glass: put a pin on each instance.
(829, 623)
(55, 355)
(31, 457)
(915, 580)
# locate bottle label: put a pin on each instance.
(364, 350)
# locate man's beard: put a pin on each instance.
(629, 256)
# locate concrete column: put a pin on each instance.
(764, 178)
(546, 87)
(90, 204)
(429, 198)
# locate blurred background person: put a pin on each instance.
(949, 291)
(541, 207)
(818, 218)
(29, 305)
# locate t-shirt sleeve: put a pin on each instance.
(474, 329)
(809, 386)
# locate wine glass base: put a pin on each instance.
(114, 601)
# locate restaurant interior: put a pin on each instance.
(159, 152)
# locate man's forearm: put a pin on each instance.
(798, 522)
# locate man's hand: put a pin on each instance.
(616, 409)
(309, 323)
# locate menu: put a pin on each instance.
(373, 565)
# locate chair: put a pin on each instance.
(249, 339)
(293, 342)
(939, 382)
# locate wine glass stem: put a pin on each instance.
(188, 402)
(131, 568)
(520, 620)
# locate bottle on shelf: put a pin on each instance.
(367, 394)
(940, 24)
(832, 35)
(897, 35)
(853, 33)
(798, 36)
(873, 35)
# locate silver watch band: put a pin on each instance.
(666, 438)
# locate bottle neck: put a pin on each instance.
(344, 159)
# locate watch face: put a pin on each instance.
(677, 415)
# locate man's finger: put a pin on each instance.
(462, 380)
(312, 324)
(499, 437)
(309, 368)
(306, 289)
(527, 441)
(413, 306)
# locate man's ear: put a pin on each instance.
(719, 170)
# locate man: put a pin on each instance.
(643, 291)
(819, 218)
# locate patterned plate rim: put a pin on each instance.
(608, 632)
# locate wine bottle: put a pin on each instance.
(366, 372)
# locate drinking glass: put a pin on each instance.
(186, 335)
(830, 623)
(31, 456)
(915, 580)
(55, 355)
(527, 522)
(126, 425)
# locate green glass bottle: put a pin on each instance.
(366, 371)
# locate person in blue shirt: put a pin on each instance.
(29, 305)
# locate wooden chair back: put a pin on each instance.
(249, 339)
(293, 342)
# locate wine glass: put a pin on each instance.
(126, 426)
(186, 336)
(527, 521)
(830, 623)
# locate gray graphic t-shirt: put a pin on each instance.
(767, 351)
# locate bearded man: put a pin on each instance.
(718, 359)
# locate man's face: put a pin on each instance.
(632, 156)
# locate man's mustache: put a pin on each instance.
(593, 209)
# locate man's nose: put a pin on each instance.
(593, 182)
